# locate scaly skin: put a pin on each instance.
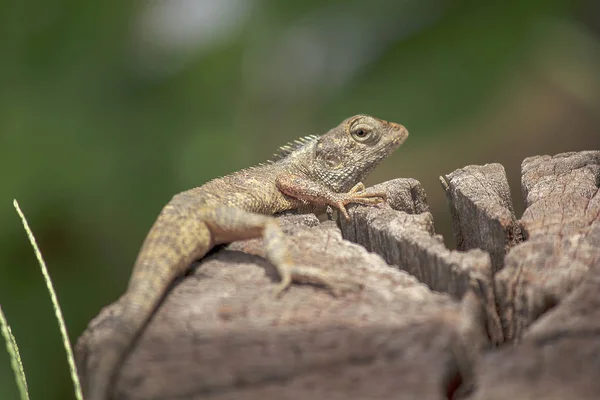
(307, 176)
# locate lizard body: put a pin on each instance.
(307, 176)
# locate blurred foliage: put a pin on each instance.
(109, 108)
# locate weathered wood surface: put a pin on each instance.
(531, 287)
(561, 226)
(550, 287)
(408, 241)
(482, 210)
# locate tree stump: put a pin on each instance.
(513, 313)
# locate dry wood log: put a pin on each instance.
(550, 287)
(408, 241)
(560, 225)
(482, 210)
(529, 286)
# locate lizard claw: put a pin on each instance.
(286, 282)
(340, 288)
(359, 187)
(358, 195)
(336, 285)
(341, 206)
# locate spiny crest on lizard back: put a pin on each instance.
(290, 147)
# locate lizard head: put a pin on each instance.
(346, 154)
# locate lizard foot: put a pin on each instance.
(357, 195)
(337, 285)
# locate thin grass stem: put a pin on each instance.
(55, 304)
(15, 357)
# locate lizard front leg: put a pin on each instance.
(228, 224)
(314, 193)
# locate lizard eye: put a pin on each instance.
(361, 133)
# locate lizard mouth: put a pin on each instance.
(401, 135)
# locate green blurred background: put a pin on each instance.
(109, 108)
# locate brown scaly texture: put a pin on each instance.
(306, 175)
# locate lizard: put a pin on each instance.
(306, 175)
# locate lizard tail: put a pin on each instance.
(173, 243)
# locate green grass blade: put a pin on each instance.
(57, 310)
(15, 357)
